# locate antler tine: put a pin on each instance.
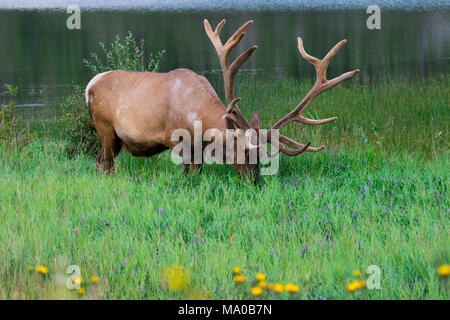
(229, 71)
(239, 32)
(295, 144)
(322, 84)
(283, 149)
(299, 147)
(305, 55)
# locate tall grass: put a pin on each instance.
(377, 196)
(397, 115)
(321, 217)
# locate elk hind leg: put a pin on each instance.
(111, 146)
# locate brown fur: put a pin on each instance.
(138, 111)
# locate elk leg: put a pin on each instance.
(111, 146)
(196, 167)
(100, 160)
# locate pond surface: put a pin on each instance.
(41, 56)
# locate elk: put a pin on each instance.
(138, 111)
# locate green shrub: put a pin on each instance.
(79, 129)
(127, 55)
(11, 131)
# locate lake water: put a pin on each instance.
(41, 56)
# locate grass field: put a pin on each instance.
(378, 195)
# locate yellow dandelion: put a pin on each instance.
(81, 291)
(262, 284)
(94, 279)
(256, 291)
(353, 286)
(239, 279)
(290, 287)
(260, 276)
(356, 273)
(42, 269)
(278, 287)
(175, 277)
(237, 270)
(77, 280)
(30, 269)
(362, 284)
(444, 270)
(270, 286)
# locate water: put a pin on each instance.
(41, 56)
(235, 5)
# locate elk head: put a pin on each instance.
(236, 120)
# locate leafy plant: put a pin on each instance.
(11, 134)
(79, 129)
(126, 55)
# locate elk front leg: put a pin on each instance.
(100, 160)
(194, 167)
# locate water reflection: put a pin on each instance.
(40, 55)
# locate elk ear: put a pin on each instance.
(255, 123)
(231, 123)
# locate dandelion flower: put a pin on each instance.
(353, 286)
(175, 277)
(444, 270)
(77, 280)
(81, 291)
(270, 286)
(256, 291)
(237, 270)
(362, 284)
(42, 269)
(94, 279)
(30, 269)
(356, 273)
(290, 287)
(239, 279)
(262, 284)
(260, 276)
(278, 287)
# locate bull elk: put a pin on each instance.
(138, 111)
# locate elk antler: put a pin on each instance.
(229, 71)
(322, 84)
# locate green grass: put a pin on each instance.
(377, 196)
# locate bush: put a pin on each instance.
(126, 55)
(79, 129)
(11, 134)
